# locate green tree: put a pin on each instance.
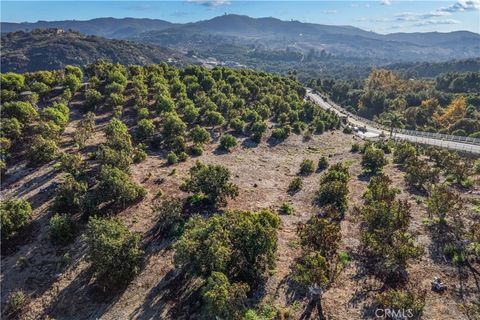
(227, 141)
(200, 135)
(41, 151)
(373, 160)
(211, 181)
(69, 194)
(113, 250)
(14, 215)
(116, 187)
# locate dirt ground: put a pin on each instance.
(59, 280)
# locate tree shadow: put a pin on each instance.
(249, 143)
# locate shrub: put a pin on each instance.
(142, 113)
(258, 129)
(420, 175)
(403, 152)
(11, 128)
(145, 129)
(116, 186)
(200, 135)
(113, 251)
(41, 151)
(173, 126)
(71, 163)
(295, 185)
(238, 125)
(118, 158)
(306, 167)
(373, 160)
(333, 187)
(196, 150)
(170, 216)
(280, 133)
(69, 195)
(172, 158)
(183, 156)
(321, 235)
(286, 209)
(214, 118)
(14, 215)
(24, 112)
(355, 147)
(211, 181)
(16, 302)
(347, 130)
(227, 142)
(240, 244)
(92, 98)
(399, 301)
(62, 229)
(322, 164)
(476, 166)
(222, 298)
(139, 153)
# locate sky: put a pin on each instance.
(383, 16)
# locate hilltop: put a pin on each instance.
(51, 49)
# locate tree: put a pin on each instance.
(200, 135)
(92, 98)
(306, 167)
(320, 234)
(173, 126)
(115, 186)
(211, 181)
(420, 175)
(227, 141)
(214, 118)
(164, 104)
(62, 229)
(14, 215)
(393, 120)
(70, 194)
(113, 250)
(334, 187)
(25, 112)
(373, 160)
(145, 129)
(240, 244)
(222, 298)
(443, 202)
(41, 151)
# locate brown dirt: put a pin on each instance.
(59, 280)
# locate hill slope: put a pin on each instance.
(54, 48)
(275, 34)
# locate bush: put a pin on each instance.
(240, 244)
(24, 112)
(16, 302)
(420, 175)
(322, 164)
(172, 158)
(228, 141)
(399, 301)
(306, 167)
(347, 130)
(286, 209)
(476, 166)
(200, 135)
(71, 163)
(211, 181)
(145, 129)
(11, 128)
(41, 151)
(404, 152)
(295, 185)
(280, 133)
(355, 147)
(113, 251)
(62, 229)
(223, 299)
(170, 216)
(183, 156)
(196, 150)
(14, 215)
(92, 98)
(334, 187)
(118, 158)
(115, 186)
(69, 195)
(238, 125)
(373, 160)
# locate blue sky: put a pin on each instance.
(384, 16)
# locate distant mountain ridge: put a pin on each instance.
(275, 34)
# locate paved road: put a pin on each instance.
(373, 132)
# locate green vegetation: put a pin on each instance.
(14, 215)
(62, 229)
(210, 181)
(333, 187)
(113, 251)
(306, 167)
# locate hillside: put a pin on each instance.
(54, 48)
(274, 34)
(186, 193)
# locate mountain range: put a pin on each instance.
(244, 39)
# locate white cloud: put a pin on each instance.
(462, 5)
(329, 11)
(385, 2)
(210, 3)
(436, 22)
(413, 16)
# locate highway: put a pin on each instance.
(374, 132)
